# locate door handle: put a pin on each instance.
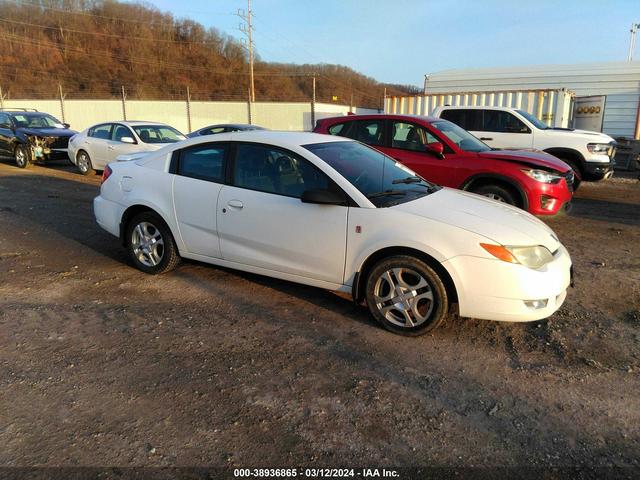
(235, 204)
(111, 147)
(486, 138)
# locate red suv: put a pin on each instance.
(444, 153)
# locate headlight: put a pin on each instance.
(598, 148)
(543, 176)
(533, 257)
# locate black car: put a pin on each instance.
(30, 136)
(224, 128)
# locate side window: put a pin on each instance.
(339, 129)
(409, 136)
(469, 119)
(211, 131)
(101, 131)
(4, 119)
(503, 122)
(368, 131)
(271, 170)
(121, 131)
(204, 162)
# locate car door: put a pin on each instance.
(409, 142)
(501, 129)
(115, 146)
(199, 173)
(96, 143)
(263, 223)
(6, 134)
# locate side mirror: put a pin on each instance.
(66, 125)
(127, 140)
(323, 197)
(436, 148)
(6, 125)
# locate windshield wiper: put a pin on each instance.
(407, 180)
(387, 193)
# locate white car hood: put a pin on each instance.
(586, 135)
(496, 221)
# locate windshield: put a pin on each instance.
(378, 177)
(538, 123)
(463, 139)
(158, 134)
(36, 120)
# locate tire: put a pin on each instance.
(415, 286)
(577, 174)
(498, 193)
(150, 244)
(22, 156)
(83, 162)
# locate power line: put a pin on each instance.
(106, 17)
(151, 39)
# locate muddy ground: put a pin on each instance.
(102, 365)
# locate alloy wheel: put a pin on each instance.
(495, 196)
(21, 157)
(147, 244)
(404, 297)
(83, 162)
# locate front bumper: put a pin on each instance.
(598, 170)
(549, 199)
(491, 289)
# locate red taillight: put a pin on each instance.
(106, 173)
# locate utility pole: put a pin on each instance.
(2, 97)
(61, 101)
(632, 42)
(124, 105)
(384, 99)
(188, 109)
(426, 79)
(247, 29)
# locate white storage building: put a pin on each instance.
(618, 82)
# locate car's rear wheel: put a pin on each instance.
(22, 156)
(406, 295)
(83, 162)
(150, 244)
(498, 193)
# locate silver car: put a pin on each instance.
(95, 147)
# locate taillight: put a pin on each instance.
(106, 173)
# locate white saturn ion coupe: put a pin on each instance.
(100, 144)
(336, 214)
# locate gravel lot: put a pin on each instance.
(102, 365)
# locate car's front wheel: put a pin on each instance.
(406, 295)
(22, 156)
(496, 192)
(150, 244)
(83, 161)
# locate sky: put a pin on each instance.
(399, 41)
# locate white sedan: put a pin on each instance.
(101, 144)
(336, 214)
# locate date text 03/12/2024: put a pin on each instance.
(315, 473)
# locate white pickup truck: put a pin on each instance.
(588, 153)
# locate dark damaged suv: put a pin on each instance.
(445, 154)
(30, 136)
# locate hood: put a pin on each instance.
(586, 135)
(532, 158)
(48, 132)
(496, 221)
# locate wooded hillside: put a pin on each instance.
(94, 47)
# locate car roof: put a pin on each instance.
(475, 107)
(134, 123)
(232, 125)
(271, 137)
(390, 116)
